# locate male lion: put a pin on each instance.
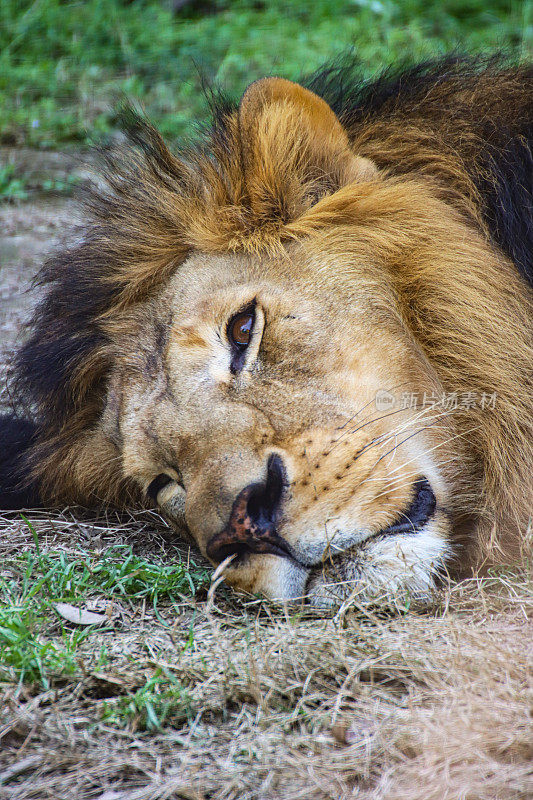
(309, 340)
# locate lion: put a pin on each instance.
(307, 340)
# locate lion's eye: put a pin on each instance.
(240, 328)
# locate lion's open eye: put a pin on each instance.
(240, 328)
(244, 333)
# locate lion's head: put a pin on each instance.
(301, 343)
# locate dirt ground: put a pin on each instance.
(434, 704)
(27, 233)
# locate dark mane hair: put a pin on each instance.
(480, 110)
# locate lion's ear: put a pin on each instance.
(283, 124)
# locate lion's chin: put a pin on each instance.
(387, 568)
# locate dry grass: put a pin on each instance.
(273, 702)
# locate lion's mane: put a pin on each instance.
(464, 129)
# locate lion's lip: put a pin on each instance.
(419, 512)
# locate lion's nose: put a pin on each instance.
(252, 524)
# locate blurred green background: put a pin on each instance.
(65, 65)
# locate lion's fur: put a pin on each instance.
(453, 136)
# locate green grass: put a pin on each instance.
(161, 701)
(12, 188)
(64, 65)
(28, 655)
(36, 645)
(17, 186)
